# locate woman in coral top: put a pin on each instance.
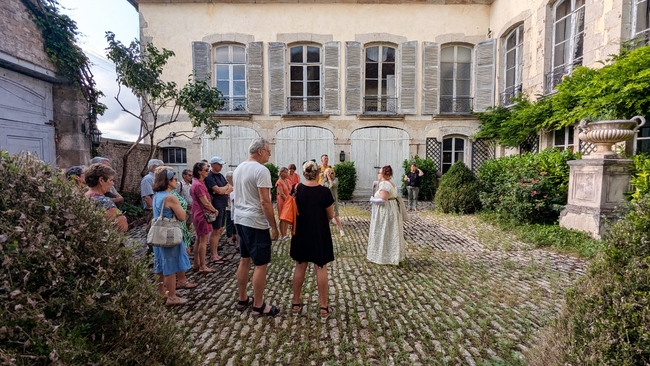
(283, 190)
(293, 177)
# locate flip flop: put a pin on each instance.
(207, 270)
(186, 285)
(217, 261)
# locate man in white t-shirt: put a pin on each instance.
(253, 217)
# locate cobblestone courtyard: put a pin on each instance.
(467, 294)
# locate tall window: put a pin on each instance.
(230, 71)
(455, 78)
(380, 80)
(568, 31)
(513, 65)
(641, 20)
(453, 150)
(563, 138)
(643, 140)
(305, 78)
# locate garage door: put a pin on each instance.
(372, 148)
(296, 145)
(232, 145)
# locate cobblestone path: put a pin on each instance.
(467, 294)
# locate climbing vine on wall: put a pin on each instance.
(59, 35)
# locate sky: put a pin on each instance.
(94, 18)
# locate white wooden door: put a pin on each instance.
(372, 148)
(231, 146)
(295, 145)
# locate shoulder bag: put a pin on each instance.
(290, 211)
(165, 232)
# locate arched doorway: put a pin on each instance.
(232, 145)
(295, 145)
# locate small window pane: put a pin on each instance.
(223, 87)
(388, 54)
(446, 158)
(313, 54)
(447, 54)
(464, 71)
(563, 8)
(562, 31)
(313, 89)
(463, 88)
(459, 144)
(510, 77)
(296, 89)
(223, 72)
(511, 42)
(371, 87)
(447, 70)
(447, 144)
(296, 72)
(643, 146)
(387, 69)
(570, 128)
(447, 87)
(644, 132)
(239, 88)
(238, 54)
(221, 54)
(372, 71)
(296, 54)
(642, 10)
(372, 54)
(459, 156)
(559, 58)
(464, 55)
(510, 58)
(313, 72)
(558, 138)
(239, 72)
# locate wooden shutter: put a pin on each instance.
(353, 79)
(254, 94)
(331, 76)
(430, 77)
(277, 78)
(485, 68)
(201, 60)
(408, 82)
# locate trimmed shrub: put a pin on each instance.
(640, 179)
(70, 291)
(606, 319)
(347, 175)
(530, 188)
(428, 180)
(458, 191)
(275, 175)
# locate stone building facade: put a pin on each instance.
(375, 82)
(39, 111)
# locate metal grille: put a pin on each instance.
(382, 105)
(586, 148)
(434, 149)
(511, 92)
(458, 105)
(233, 104)
(531, 144)
(482, 150)
(298, 105)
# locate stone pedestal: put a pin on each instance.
(596, 187)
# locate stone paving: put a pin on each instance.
(467, 294)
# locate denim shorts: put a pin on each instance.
(254, 244)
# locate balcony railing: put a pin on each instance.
(640, 39)
(304, 105)
(511, 92)
(233, 104)
(379, 105)
(457, 105)
(554, 78)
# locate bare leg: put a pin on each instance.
(242, 277)
(161, 284)
(199, 252)
(283, 228)
(298, 281)
(170, 283)
(214, 244)
(259, 282)
(321, 281)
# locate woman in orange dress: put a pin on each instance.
(283, 190)
(294, 178)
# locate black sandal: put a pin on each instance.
(299, 305)
(243, 304)
(260, 311)
(330, 311)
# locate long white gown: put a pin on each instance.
(386, 238)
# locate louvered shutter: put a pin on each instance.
(353, 80)
(485, 68)
(277, 78)
(254, 94)
(430, 77)
(331, 78)
(407, 96)
(201, 60)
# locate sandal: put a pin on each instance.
(260, 311)
(243, 304)
(177, 301)
(186, 285)
(329, 311)
(207, 270)
(297, 308)
(217, 261)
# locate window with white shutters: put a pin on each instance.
(455, 79)
(304, 79)
(567, 40)
(230, 76)
(513, 63)
(379, 80)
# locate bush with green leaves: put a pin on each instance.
(428, 180)
(606, 319)
(71, 292)
(640, 180)
(347, 175)
(530, 188)
(458, 191)
(275, 175)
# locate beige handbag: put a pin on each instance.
(165, 232)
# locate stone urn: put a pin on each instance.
(604, 134)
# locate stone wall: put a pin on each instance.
(115, 150)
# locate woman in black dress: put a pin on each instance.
(313, 239)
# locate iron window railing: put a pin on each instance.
(456, 105)
(507, 95)
(304, 105)
(233, 104)
(554, 78)
(380, 105)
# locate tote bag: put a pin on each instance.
(165, 232)
(290, 211)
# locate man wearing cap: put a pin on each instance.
(219, 189)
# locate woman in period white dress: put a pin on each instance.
(386, 238)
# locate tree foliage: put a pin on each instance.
(458, 191)
(618, 90)
(346, 172)
(139, 68)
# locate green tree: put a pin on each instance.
(458, 191)
(139, 68)
(346, 172)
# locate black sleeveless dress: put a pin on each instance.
(313, 239)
